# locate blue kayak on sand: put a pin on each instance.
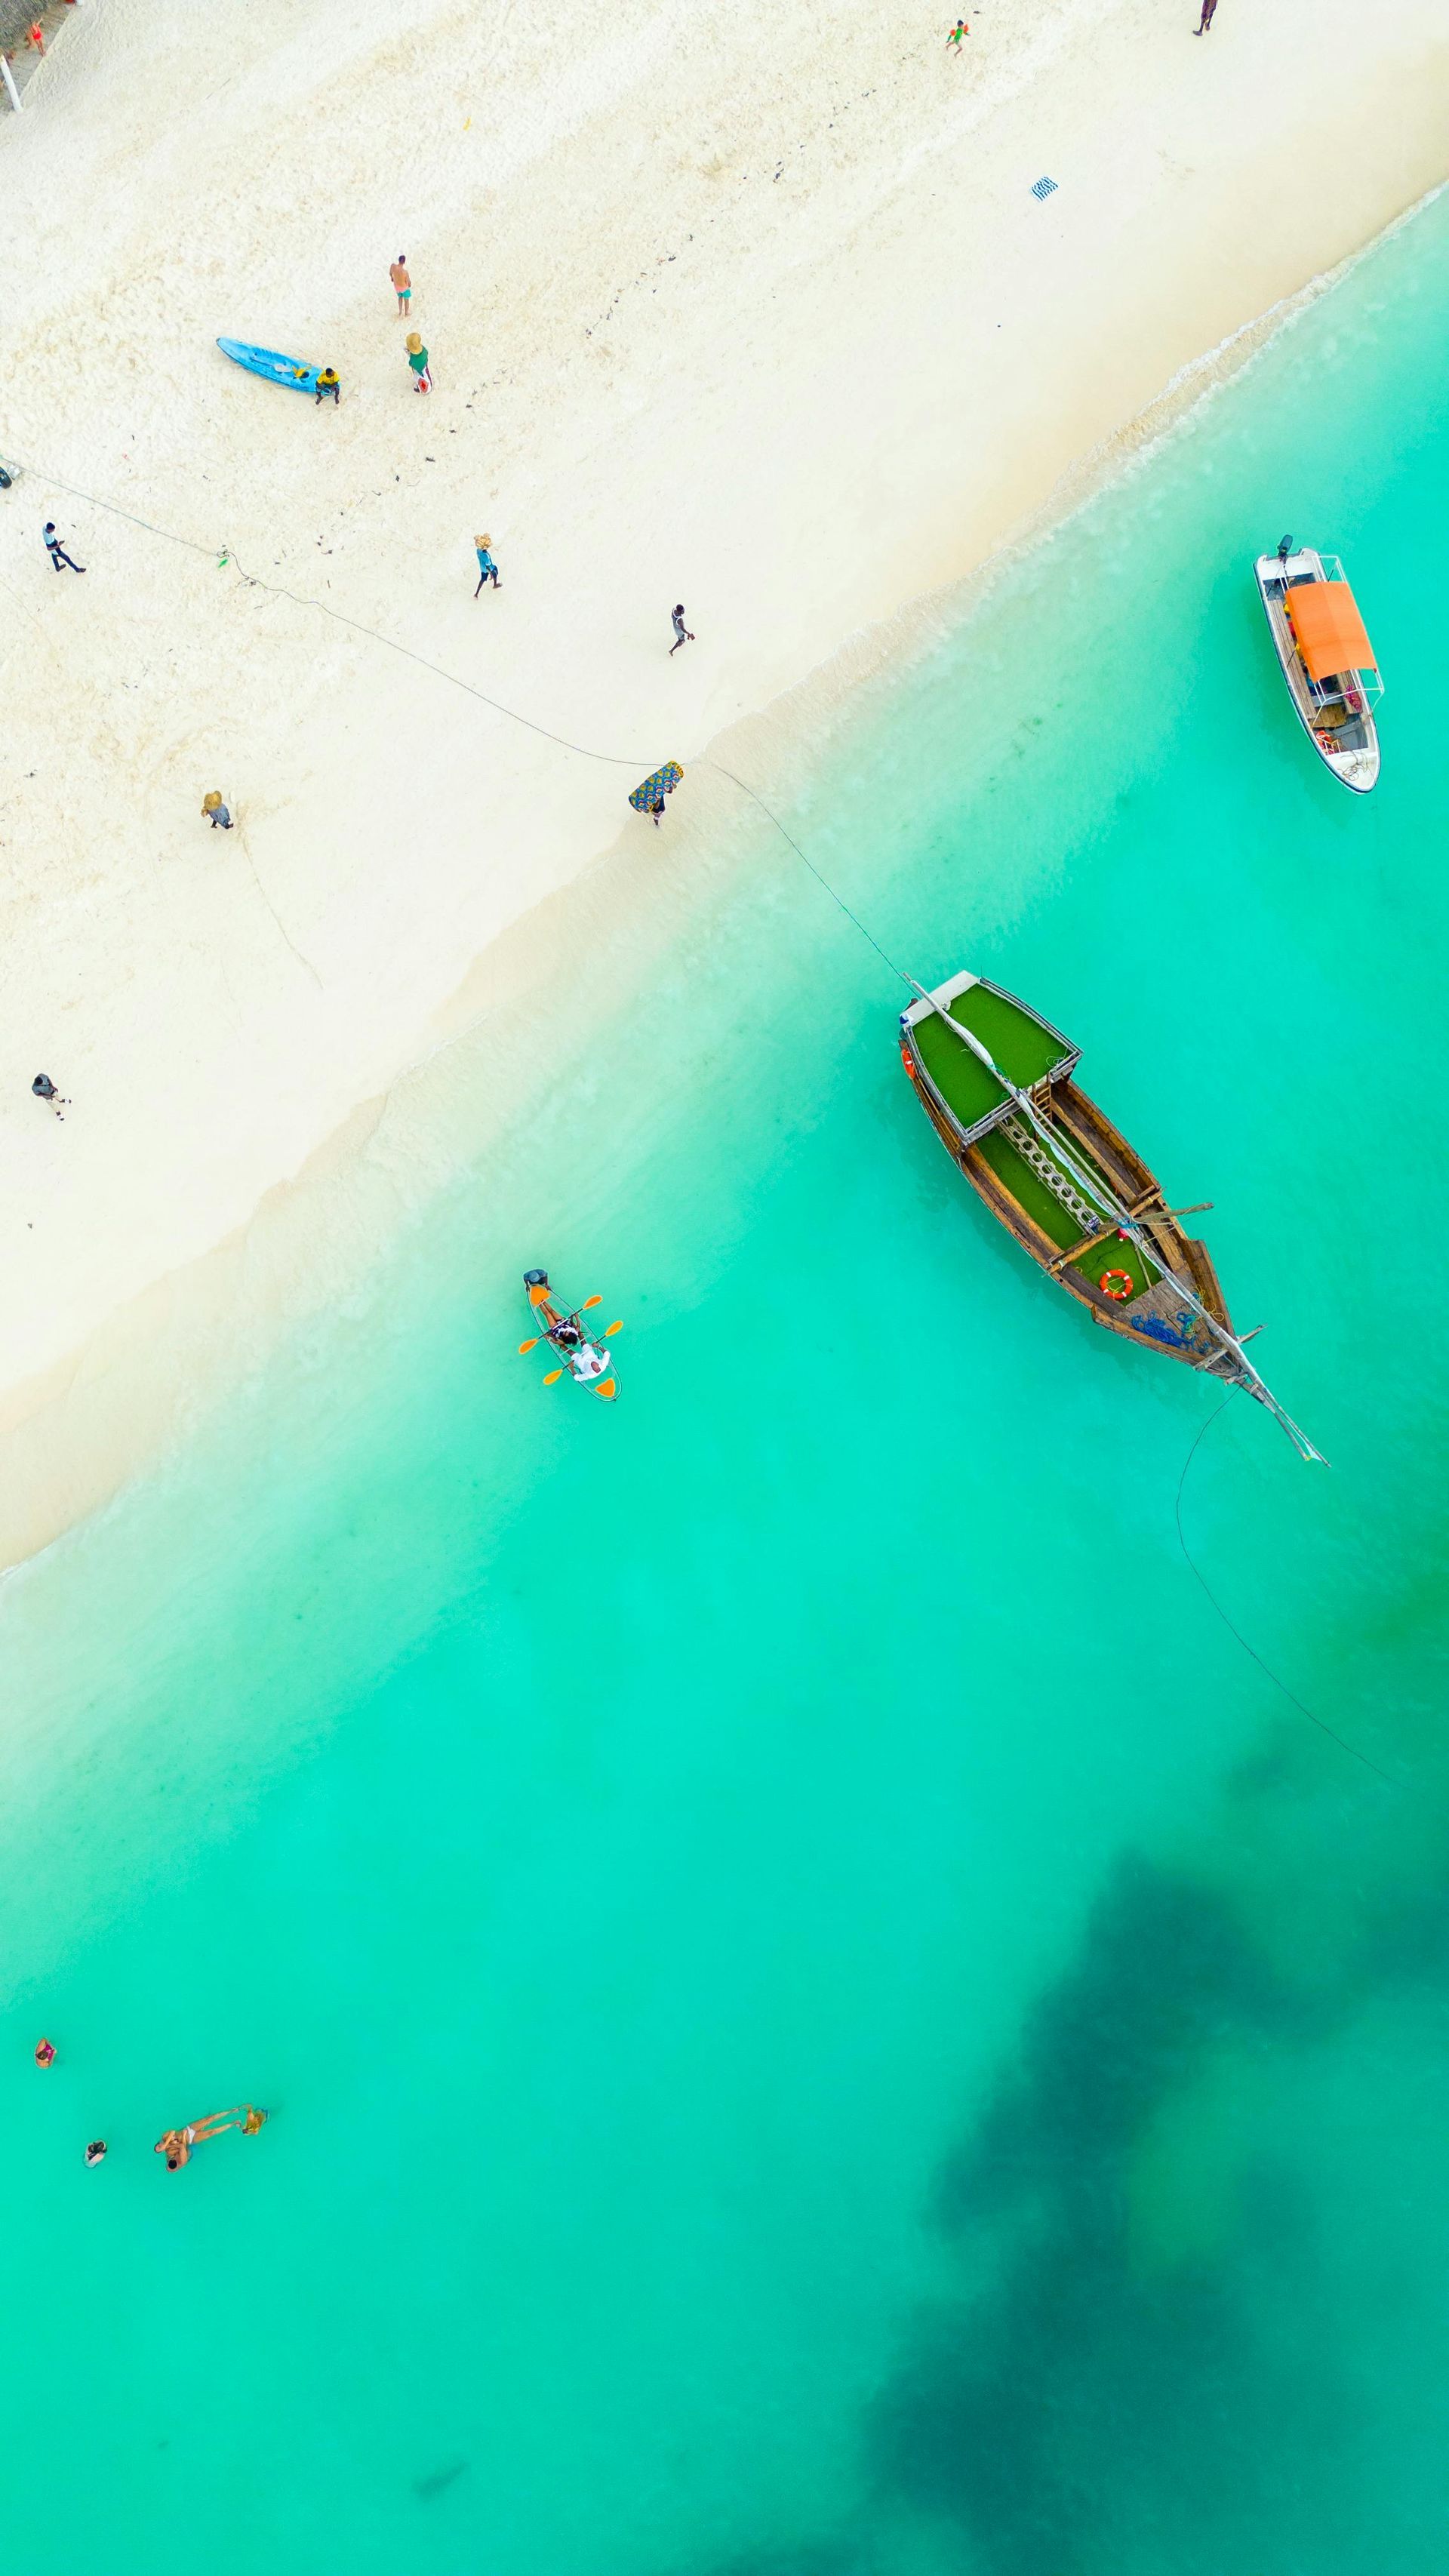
(270, 362)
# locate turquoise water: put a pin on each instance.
(820, 2014)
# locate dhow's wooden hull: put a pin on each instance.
(1159, 1321)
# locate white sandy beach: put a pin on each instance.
(749, 307)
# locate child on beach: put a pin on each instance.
(958, 36)
(402, 282)
(418, 361)
(487, 568)
(217, 814)
(44, 1089)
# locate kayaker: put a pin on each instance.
(418, 361)
(329, 382)
(401, 281)
(487, 568)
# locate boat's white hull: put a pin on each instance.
(1356, 764)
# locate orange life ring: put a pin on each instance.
(1118, 1293)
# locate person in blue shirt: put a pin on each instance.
(487, 568)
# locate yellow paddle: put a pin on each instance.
(613, 1329)
(592, 1301)
(553, 1377)
(529, 1346)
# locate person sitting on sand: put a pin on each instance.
(418, 361)
(402, 282)
(329, 382)
(44, 1089)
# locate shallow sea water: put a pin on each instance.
(821, 2015)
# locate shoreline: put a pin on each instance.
(126, 1373)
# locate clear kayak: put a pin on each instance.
(271, 362)
(562, 1334)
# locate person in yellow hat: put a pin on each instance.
(487, 568)
(418, 361)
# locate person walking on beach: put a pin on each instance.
(1209, 12)
(487, 568)
(44, 1089)
(329, 382)
(217, 814)
(401, 280)
(418, 361)
(682, 634)
(56, 550)
(45, 2053)
(958, 36)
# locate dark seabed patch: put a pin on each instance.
(437, 2481)
(1082, 2405)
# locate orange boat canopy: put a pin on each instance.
(1329, 629)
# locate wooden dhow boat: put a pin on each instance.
(995, 1080)
(1326, 658)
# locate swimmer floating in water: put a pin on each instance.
(45, 2053)
(176, 2144)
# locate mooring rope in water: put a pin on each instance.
(1263, 1665)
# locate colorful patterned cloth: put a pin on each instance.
(663, 783)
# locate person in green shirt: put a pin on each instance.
(958, 35)
(418, 361)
